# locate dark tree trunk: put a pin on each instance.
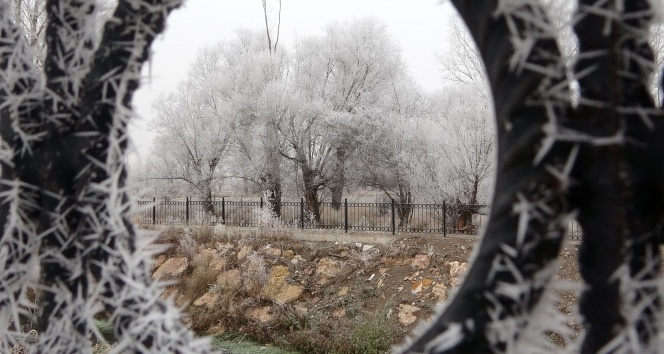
(612, 172)
(339, 178)
(404, 207)
(273, 182)
(67, 152)
(273, 193)
(311, 193)
(466, 212)
(619, 209)
(522, 246)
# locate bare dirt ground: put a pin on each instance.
(322, 296)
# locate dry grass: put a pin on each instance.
(197, 283)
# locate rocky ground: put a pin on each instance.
(318, 296)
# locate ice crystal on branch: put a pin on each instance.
(63, 193)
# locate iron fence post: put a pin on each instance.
(302, 213)
(346, 214)
(393, 220)
(154, 210)
(223, 210)
(261, 202)
(187, 211)
(444, 219)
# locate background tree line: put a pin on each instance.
(333, 113)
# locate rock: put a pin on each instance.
(276, 287)
(367, 247)
(289, 254)
(420, 285)
(244, 251)
(421, 261)
(440, 291)
(231, 279)
(339, 312)
(457, 270)
(217, 263)
(270, 251)
(172, 268)
(326, 269)
(289, 293)
(208, 299)
(171, 291)
(260, 314)
(203, 257)
(297, 259)
(406, 312)
(343, 291)
(159, 261)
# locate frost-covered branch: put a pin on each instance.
(516, 258)
(63, 181)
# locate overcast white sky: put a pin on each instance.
(417, 25)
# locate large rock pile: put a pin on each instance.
(315, 280)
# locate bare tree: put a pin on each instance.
(272, 38)
(466, 139)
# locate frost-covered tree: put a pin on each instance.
(465, 137)
(598, 157)
(194, 127)
(353, 65)
(64, 201)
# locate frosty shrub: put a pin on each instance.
(188, 246)
(266, 218)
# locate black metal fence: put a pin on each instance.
(388, 217)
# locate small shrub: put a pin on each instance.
(254, 274)
(374, 336)
(187, 245)
(170, 235)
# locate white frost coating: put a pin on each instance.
(446, 340)
(18, 242)
(523, 208)
(546, 320)
(144, 321)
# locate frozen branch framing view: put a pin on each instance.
(555, 106)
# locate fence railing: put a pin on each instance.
(388, 217)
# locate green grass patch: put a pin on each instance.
(239, 344)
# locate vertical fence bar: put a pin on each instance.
(261, 202)
(301, 213)
(444, 219)
(154, 210)
(346, 214)
(186, 208)
(223, 210)
(393, 219)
